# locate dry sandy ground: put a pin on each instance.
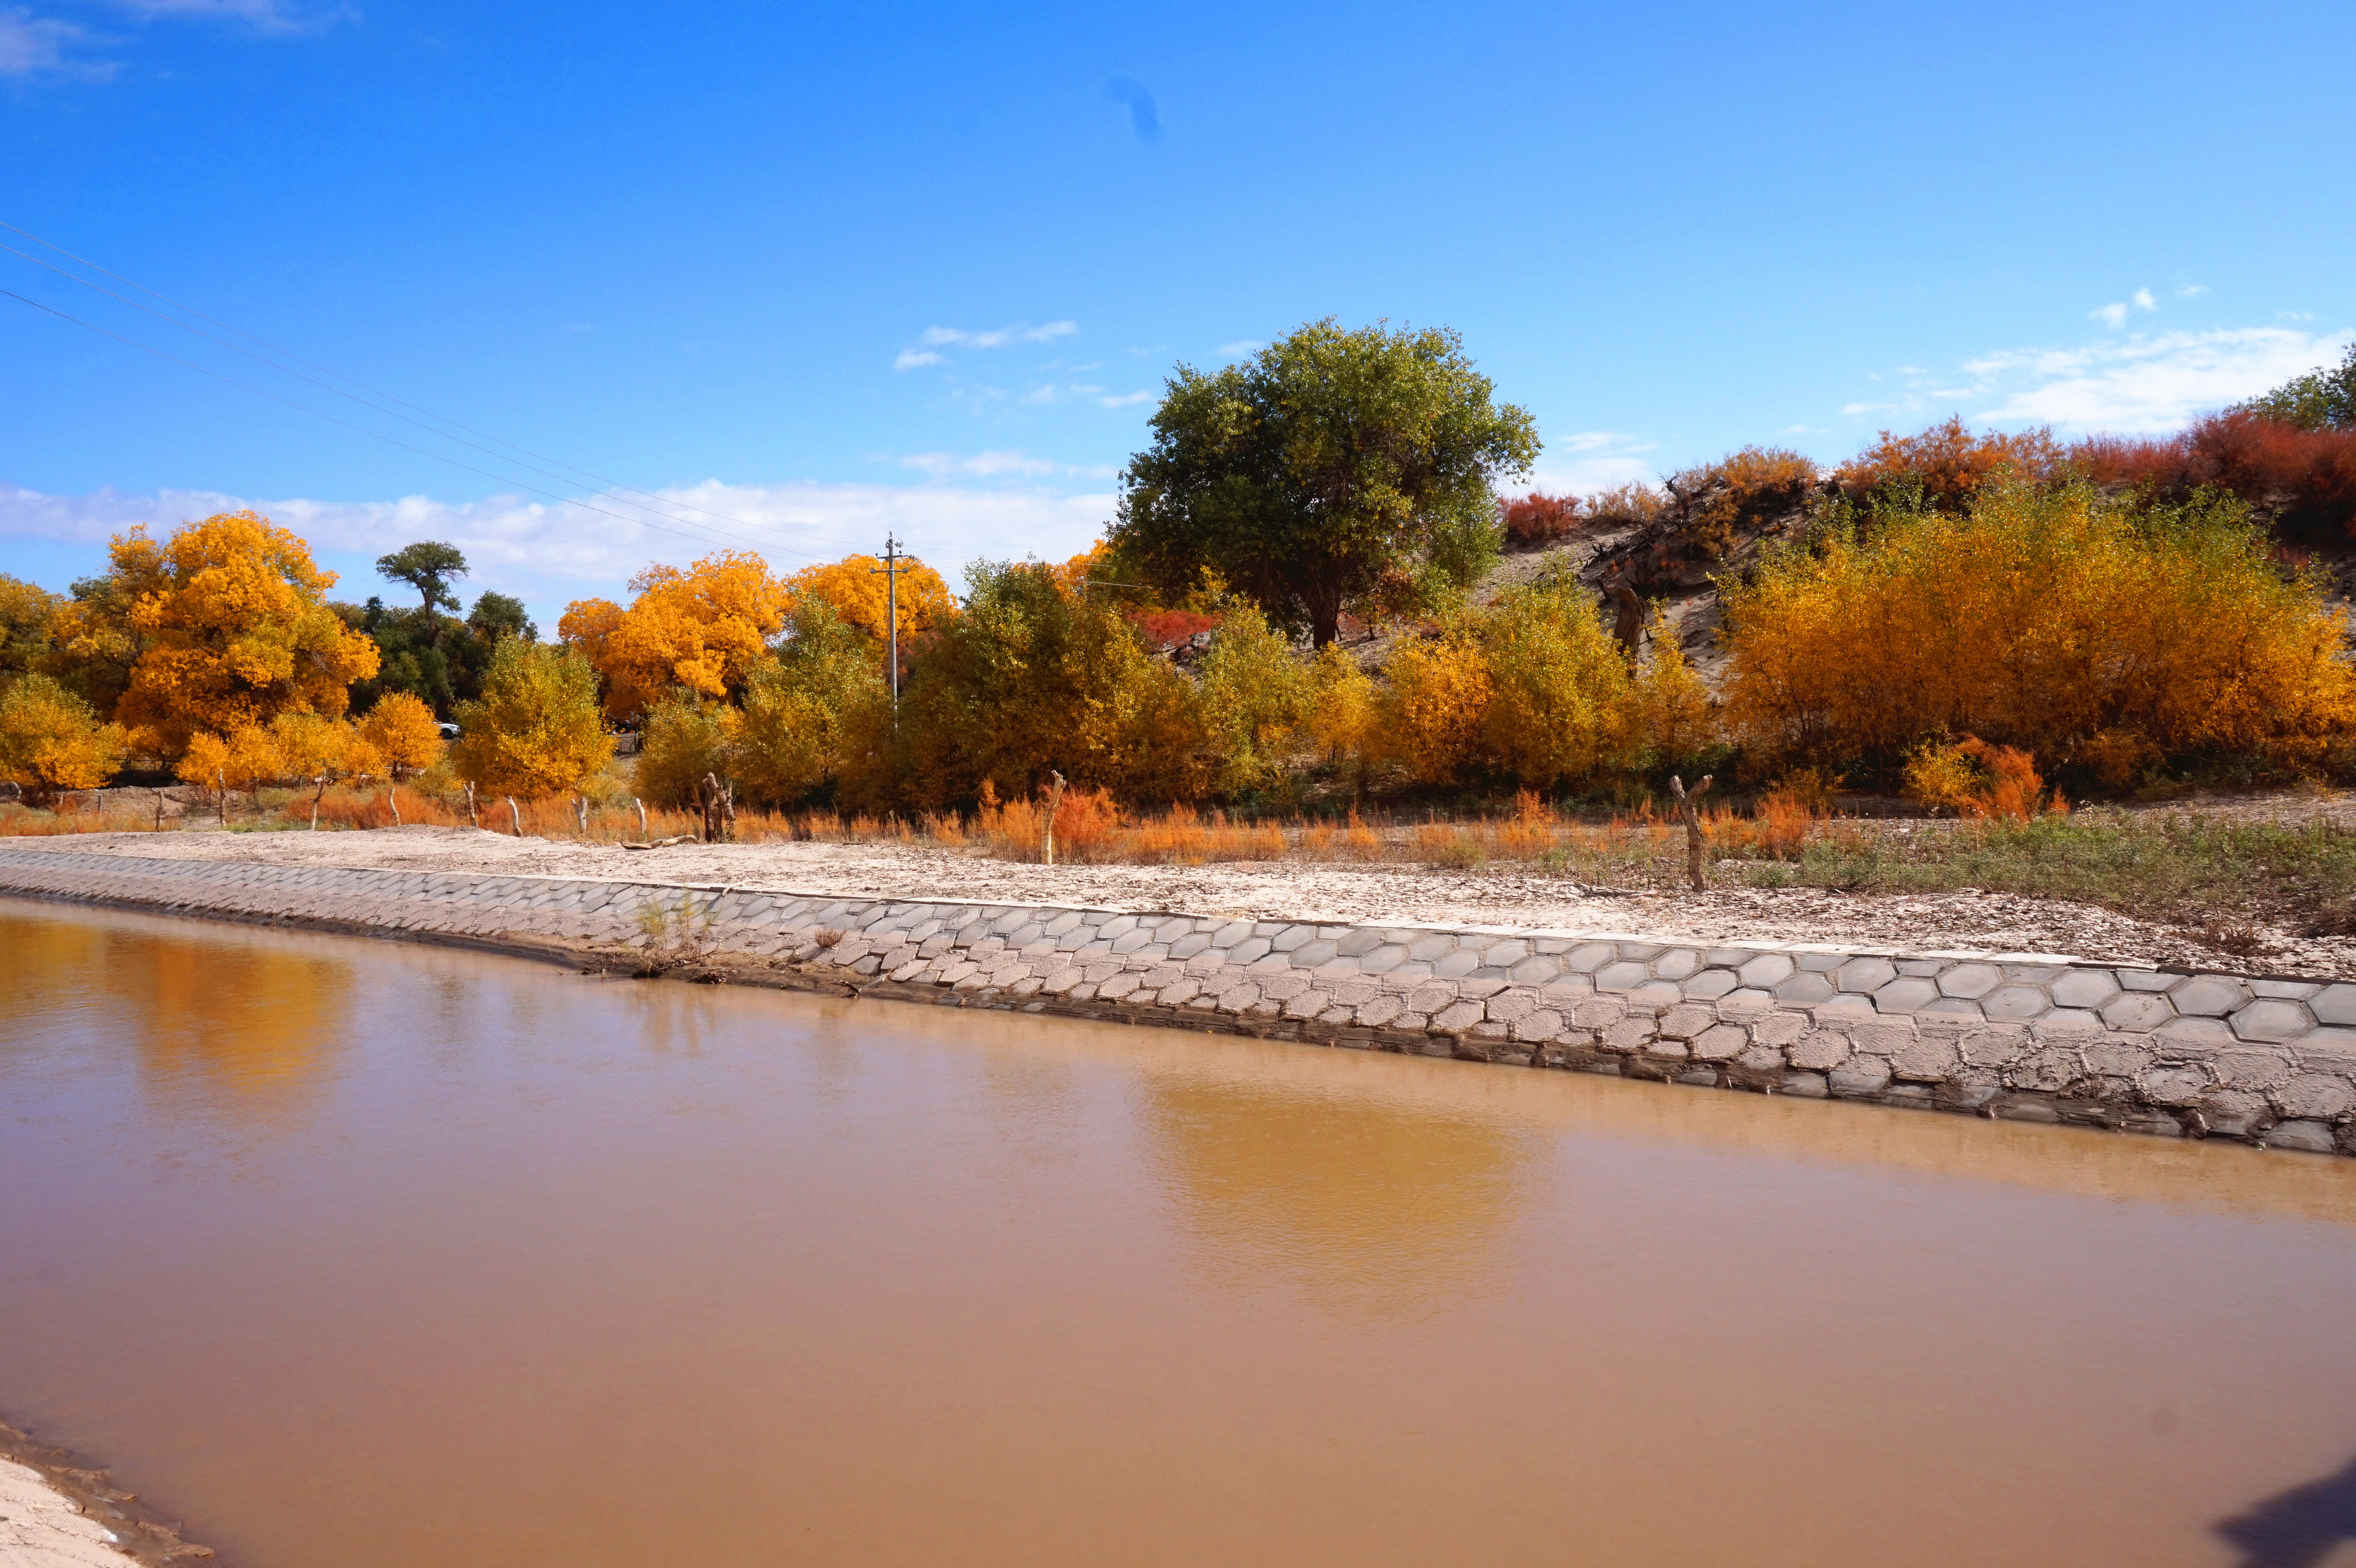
(1353, 893)
(40, 1529)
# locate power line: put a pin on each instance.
(611, 485)
(406, 446)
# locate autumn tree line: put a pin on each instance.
(2116, 612)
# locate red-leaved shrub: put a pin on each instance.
(2304, 480)
(1951, 461)
(1537, 519)
(1163, 628)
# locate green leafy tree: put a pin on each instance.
(817, 710)
(1336, 468)
(2321, 400)
(427, 567)
(538, 729)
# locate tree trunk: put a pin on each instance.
(1055, 800)
(1693, 827)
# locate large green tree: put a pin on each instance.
(427, 566)
(2321, 400)
(1333, 468)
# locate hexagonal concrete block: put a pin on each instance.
(2136, 1011)
(1865, 974)
(2208, 995)
(1676, 964)
(1767, 970)
(2084, 988)
(2335, 1004)
(1905, 996)
(1709, 984)
(1970, 981)
(1589, 957)
(1536, 971)
(2271, 1021)
(1456, 963)
(1624, 976)
(1804, 990)
(2015, 1003)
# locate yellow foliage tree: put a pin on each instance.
(685, 738)
(236, 630)
(854, 589)
(1671, 719)
(818, 711)
(1255, 696)
(52, 741)
(1437, 704)
(1559, 705)
(702, 629)
(28, 612)
(536, 731)
(1341, 710)
(2041, 617)
(402, 731)
(244, 759)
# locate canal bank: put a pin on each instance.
(2017, 1037)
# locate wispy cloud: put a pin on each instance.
(2145, 383)
(263, 16)
(1124, 400)
(549, 553)
(926, 350)
(39, 46)
(1592, 460)
(2114, 316)
(2140, 383)
(2191, 291)
(1241, 346)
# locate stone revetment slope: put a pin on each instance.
(2019, 1036)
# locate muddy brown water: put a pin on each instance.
(361, 1254)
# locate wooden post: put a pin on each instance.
(221, 796)
(1693, 827)
(580, 810)
(320, 780)
(392, 799)
(472, 820)
(159, 811)
(1055, 799)
(515, 816)
(642, 817)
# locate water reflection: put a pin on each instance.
(1373, 1206)
(2299, 1528)
(235, 1026)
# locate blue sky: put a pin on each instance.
(823, 271)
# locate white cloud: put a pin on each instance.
(2191, 291)
(547, 553)
(1241, 346)
(981, 464)
(1125, 399)
(2145, 383)
(36, 46)
(1605, 460)
(998, 337)
(910, 359)
(2114, 316)
(263, 16)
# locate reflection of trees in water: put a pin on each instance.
(1364, 1204)
(246, 1029)
(2302, 1527)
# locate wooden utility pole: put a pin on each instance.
(894, 563)
(1693, 825)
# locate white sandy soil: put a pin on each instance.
(1348, 892)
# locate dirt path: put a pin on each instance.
(1983, 922)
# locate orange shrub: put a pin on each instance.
(1539, 519)
(1950, 461)
(2039, 619)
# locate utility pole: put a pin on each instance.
(894, 563)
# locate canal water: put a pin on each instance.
(361, 1254)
